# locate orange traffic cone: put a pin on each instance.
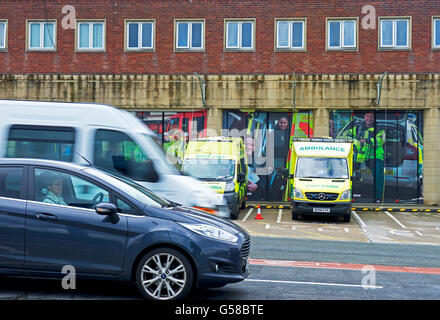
(259, 216)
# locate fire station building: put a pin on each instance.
(203, 66)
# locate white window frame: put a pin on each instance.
(239, 35)
(41, 47)
(5, 35)
(139, 23)
(342, 46)
(290, 46)
(90, 47)
(434, 45)
(393, 46)
(189, 47)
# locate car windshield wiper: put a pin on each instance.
(314, 177)
(171, 204)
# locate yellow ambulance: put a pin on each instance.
(320, 177)
(219, 162)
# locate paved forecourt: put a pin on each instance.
(393, 225)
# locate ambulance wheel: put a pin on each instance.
(235, 211)
(347, 218)
(295, 216)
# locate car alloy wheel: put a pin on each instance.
(164, 274)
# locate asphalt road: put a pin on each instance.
(268, 282)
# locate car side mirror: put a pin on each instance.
(106, 209)
(241, 177)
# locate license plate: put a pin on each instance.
(325, 210)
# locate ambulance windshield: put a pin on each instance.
(209, 169)
(331, 168)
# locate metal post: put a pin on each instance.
(379, 88)
(202, 89)
(293, 94)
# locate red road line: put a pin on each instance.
(344, 266)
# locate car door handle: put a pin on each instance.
(46, 216)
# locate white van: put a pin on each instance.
(111, 139)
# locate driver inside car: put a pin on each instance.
(54, 190)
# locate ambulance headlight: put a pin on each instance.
(230, 186)
(346, 195)
(298, 194)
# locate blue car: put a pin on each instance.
(55, 214)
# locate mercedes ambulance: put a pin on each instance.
(220, 162)
(320, 177)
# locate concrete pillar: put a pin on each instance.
(321, 122)
(214, 124)
(431, 156)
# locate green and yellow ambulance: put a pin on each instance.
(320, 177)
(220, 162)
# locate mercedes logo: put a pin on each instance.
(321, 196)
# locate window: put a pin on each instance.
(3, 35)
(53, 143)
(394, 33)
(290, 34)
(126, 208)
(11, 182)
(56, 187)
(436, 33)
(116, 152)
(189, 35)
(342, 34)
(240, 35)
(41, 35)
(91, 35)
(139, 35)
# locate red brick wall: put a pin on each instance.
(421, 59)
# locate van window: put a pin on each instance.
(53, 143)
(116, 152)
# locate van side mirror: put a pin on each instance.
(241, 177)
(286, 175)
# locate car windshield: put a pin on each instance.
(209, 169)
(131, 188)
(333, 168)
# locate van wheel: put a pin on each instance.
(164, 274)
(234, 212)
(347, 218)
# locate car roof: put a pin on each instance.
(42, 162)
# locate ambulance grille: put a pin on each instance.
(322, 196)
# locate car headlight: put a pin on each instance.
(230, 186)
(298, 194)
(210, 231)
(346, 195)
